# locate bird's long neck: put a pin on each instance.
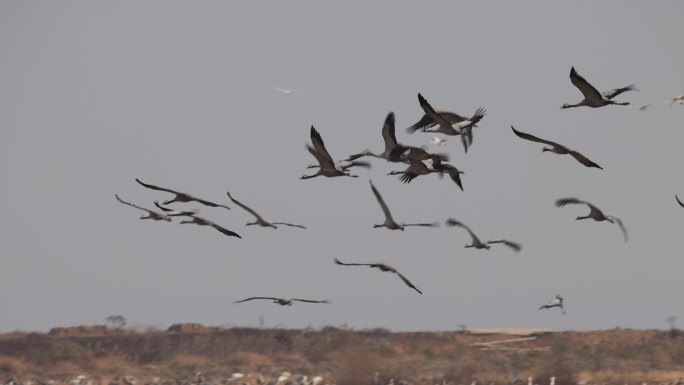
(308, 176)
(568, 105)
(584, 217)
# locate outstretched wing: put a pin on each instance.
(385, 210)
(454, 173)
(174, 213)
(208, 203)
(225, 231)
(249, 210)
(587, 89)
(407, 282)
(133, 205)
(318, 144)
(253, 298)
(310, 301)
(433, 224)
(451, 222)
(584, 160)
(621, 225)
(289, 224)
(434, 115)
(388, 135)
(565, 201)
(323, 161)
(515, 246)
(678, 201)
(153, 187)
(613, 93)
(533, 138)
(337, 261)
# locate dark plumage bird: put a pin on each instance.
(259, 220)
(422, 163)
(382, 267)
(389, 221)
(388, 137)
(557, 148)
(283, 301)
(556, 302)
(326, 165)
(593, 98)
(165, 215)
(477, 243)
(205, 222)
(180, 196)
(594, 214)
(449, 123)
(678, 201)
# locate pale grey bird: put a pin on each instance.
(180, 196)
(259, 220)
(593, 98)
(423, 163)
(389, 139)
(326, 165)
(477, 243)
(154, 215)
(594, 214)
(205, 222)
(556, 302)
(389, 221)
(557, 148)
(382, 267)
(284, 301)
(449, 123)
(676, 100)
(678, 201)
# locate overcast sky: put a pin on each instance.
(181, 94)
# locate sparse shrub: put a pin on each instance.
(116, 321)
(559, 369)
(63, 350)
(10, 365)
(355, 367)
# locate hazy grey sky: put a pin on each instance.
(181, 94)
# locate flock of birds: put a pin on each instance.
(419, 162)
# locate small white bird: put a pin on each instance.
(286, 91)
(642, 108)
(676, 100)
(556, 302)
(438, 141)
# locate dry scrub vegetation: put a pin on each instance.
(349, 356)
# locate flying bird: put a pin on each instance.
(389, 221)
(449, 123)
(593, 98)
(423, 163)
(285, 91)
(388, 137)
(205, 222)
(594, 214)
(438, 141)
(382, 267)
(643, 108)
(477, 243)
(678, 201)
(327, 168)
(283, 301)
(157, 216)
(556, 302)
(557, 148)
(259, 220)
(180, 196)
(676, 100)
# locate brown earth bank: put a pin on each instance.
(342, 356)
